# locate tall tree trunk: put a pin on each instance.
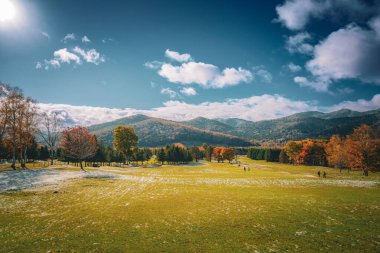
(25, 158)
(14, 152)
(81, 166)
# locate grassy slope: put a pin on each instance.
(167, 210)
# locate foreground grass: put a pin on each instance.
(196, 209)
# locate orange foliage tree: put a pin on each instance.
(224, 153)
(336, 152)
(363, 149)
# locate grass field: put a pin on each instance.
(207, 208)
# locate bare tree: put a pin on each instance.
(79, 144)
(20, 122)
(14, 102)
(4, 110)
(50, 128)
(27, 128)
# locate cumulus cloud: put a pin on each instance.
(177, 56)
(299, 43)
(85, 40)
(358, 105)
(293, 67)
(296, 14)
(204, 74)
(317, 85)
(63, 55)
(91, 56)
(252, 108)
(188, 91)
(69, 37)
(349, 53)
(153, 64)
(171, 93)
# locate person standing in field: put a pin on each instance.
(319, 173)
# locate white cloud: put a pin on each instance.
(317, 85)
(45, 34)
(188, 91)
(91, 56)
(296, 14)
(252, 108)
(294, 67)
(85, 40)
(63, 55)
(170, 92)
(299, 43)
(153, 64)
(52, 63)
(349, 53)
(177, 56)
(38, 65)
(204, 74)
(68, 37)
(358, 105)
(264, 75)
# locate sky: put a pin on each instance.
(94, 61)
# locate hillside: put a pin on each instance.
(296, 126)
(154, 132)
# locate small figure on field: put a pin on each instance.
(319, 173)
(324, 174)
(245, 169)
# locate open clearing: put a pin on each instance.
(203, 208)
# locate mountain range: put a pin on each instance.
(154, 132)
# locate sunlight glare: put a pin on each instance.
(7, 10)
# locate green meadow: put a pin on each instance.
(207, 207)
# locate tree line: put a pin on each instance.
(267, 154)
(357, 151)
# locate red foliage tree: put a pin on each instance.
(79, 144)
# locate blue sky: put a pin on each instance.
(99, 60)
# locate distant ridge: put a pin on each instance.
(155, 132)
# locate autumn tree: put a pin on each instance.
(293, 150)
(363, 149)
(125, 138)
(336, 152)
(50, 128)
(312, 153)
(79, 144)
(228, 154)
(218, 154)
